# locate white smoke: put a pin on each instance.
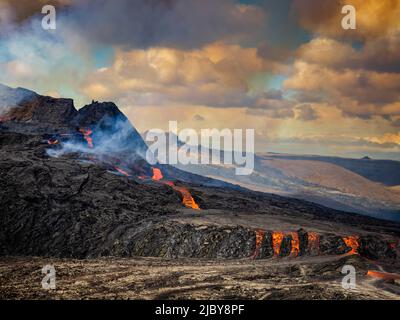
(45, 61)
(116, 140)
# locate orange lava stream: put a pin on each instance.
(383, 275)
(313, 241)
(277, 238)
(87, 135)
(52, 141)
(157, 174)
(259, 238)
(187, 200)
(295, 244)
(352, 242)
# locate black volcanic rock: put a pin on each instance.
(375, 249)
(93, 114)
(266, 248)
(286, 246)
(66, 207)
(52, 111)
(303, 241)
(25, 111)
(19, 107)
(172, 240)
(61, 207)
(332, 244)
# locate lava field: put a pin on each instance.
(75, 189)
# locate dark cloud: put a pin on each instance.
(308, 97)
(274, 94)
(283, 113)
(168, 23)
(276, 104)
(274, 53)
(381, 54)
(395, 122)
(306, 113)
(313, 15)
(273, 104)
(21, 10)
(198, 117)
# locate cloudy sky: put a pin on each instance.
(285, 68)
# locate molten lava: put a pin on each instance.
(122, 171)
(87, 135)
(157, 174)
(187, 198)
(352, 242)
(277, 238)
(383, 275)
(295, 244)
(52, 141)
(260, 234)
(313, 242)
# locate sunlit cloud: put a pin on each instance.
(287, 74)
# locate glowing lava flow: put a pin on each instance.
(383, 275)
(352, 242)
(87, 135)
(52, 141)
(187, 200)
(277, 238)
(295, 244)
(259, 238)
(122, 171)
(157, 174)
(313, 242)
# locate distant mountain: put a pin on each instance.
(355, 185)
(386, 172)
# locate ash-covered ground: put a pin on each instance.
(157, 278)
(76, 193)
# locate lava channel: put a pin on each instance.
(260, 234)
(352, 242)
(187, 198)
(87, 135)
